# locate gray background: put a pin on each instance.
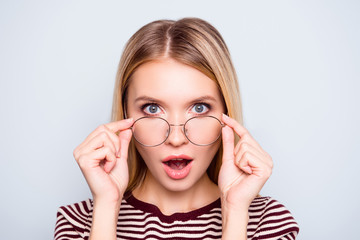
(298, 65)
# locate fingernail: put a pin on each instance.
(225, 116)
(129, 120)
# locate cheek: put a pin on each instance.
(208, 153)
(147, 153)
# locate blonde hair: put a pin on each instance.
(191, 41)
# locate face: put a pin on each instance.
(175, 92)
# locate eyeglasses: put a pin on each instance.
(153, 131)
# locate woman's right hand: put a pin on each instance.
(102, 158)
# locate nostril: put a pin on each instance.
(177, 136)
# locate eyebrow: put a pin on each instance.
(199, 99)
(147, 99)
(204, 98)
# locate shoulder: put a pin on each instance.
(74, 219)
(77, 211)
(270, 219)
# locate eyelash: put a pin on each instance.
(146, 105)
(208, 106)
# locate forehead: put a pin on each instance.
(169, 79)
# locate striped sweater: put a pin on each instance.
(268, 219)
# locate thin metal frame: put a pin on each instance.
(175, 125)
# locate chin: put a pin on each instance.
(181, 185)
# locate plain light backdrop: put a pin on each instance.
(298, 67)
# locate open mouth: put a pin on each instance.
(177, 164)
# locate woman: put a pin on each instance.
(175, 163)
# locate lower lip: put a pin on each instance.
(177, 174)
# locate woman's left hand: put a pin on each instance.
(245, 167)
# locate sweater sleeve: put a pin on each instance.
(74, 221)
(270, 220)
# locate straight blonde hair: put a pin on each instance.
(191, 41)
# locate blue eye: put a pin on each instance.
(151, 109)
(200, 108)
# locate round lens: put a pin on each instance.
(203, 130)
(150, 131)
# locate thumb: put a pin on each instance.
(228, 144)
(125, 137)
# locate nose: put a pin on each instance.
(176, 136)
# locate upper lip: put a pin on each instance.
(175, 157)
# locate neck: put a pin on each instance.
(202, 193)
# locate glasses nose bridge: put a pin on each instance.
(177, 125)
(182, 127)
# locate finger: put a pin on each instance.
(252, 165)
(250, 140)
(124, 140)
(228, 144)
(253, 148)
(120, 125)
(125, 137)
(93, 159)
(240, 130)
(243, 133)
(113, 138)
(113, 127)
(244, 147)
(110, 127)
(101, 140)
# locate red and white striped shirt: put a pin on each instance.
(268, 219)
